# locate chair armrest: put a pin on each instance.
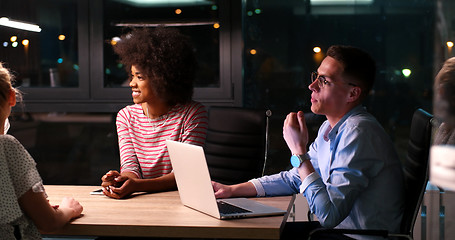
(381, 233)
(370, 232)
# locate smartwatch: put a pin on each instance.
(297, 160)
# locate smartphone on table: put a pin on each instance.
(97, 192)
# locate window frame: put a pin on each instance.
(92, 96)
(44, 94)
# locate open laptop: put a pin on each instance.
(196, 191)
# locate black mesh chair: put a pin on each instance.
(415, 169)
(236, 144)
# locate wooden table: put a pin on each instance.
(160, 215)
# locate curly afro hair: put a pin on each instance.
(165, 57)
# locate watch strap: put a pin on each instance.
(297, 160)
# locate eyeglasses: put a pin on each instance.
(322, 82)
(321, 79)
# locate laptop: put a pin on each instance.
(196, 191)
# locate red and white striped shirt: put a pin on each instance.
(142, 140)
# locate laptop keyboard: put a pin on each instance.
(226, 208)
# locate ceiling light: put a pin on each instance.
(165, 3)
(4, 21)
(340, 2)
(168, 24)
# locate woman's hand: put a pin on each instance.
(109, 179)
(127, 187)
(47, 217)
(71, 203)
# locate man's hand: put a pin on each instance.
(221, 190)
(245, 189)
(295, 132)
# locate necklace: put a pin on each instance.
(157, 121)
(146, 111)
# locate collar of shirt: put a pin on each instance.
(330, 133)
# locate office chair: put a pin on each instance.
(236, 144)
(415, 171)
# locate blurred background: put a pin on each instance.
(251, 53)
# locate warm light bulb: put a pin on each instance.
(178, 11)
(253, 51)
(449, 44)
(316, 49)
(13, 38)
(216, 25)
(115, 40)
(61, 37)
(25, 42)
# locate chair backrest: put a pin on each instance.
(415, 167)
(236, 145)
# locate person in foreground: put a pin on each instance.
(163, 66)
(444, 103)
(350, 175)
(23, 201)
(442, 152)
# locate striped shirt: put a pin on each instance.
(142, 141)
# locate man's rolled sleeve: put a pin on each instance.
(259, 189)
(280, 184)
(308, 180)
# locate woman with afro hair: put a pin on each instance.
(162, 66)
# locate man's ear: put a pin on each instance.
(12, 98)
(354, 94)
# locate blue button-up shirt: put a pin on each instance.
(358, 183)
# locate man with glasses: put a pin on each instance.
(350, 175)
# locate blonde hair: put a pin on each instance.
(6, 80)
(444, 92)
